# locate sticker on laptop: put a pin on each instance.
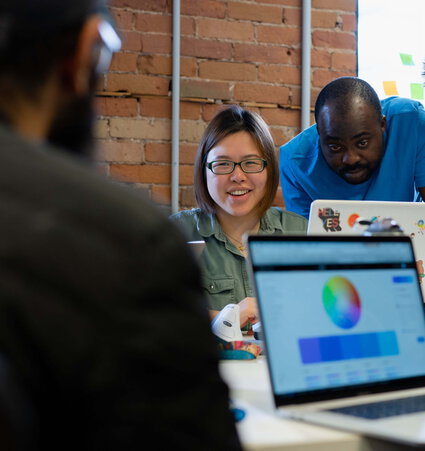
(330, 219)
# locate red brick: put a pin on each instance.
(123, 19)
(187, 26)
(274, 73)
(146, 173)
(321, 58)
(295, 96)
(142, 128)
(131, 40)
(187, 197)
(113, 106)
(185, 174)
(278, 135)
(161, 194)
(156, 43)
(339, 5)
(217, 70)
(101, 83)
(261, 93)
(210, 110)
(205, 89)
(256, 13)
(278, 200)
(161, 153)
(292, 16)
(281, 116)
(349, 22)
(138, 84)
(334, 39)
(322, 77)
(158, 153)
(190, 110)
(124, 62)
(344, 61)
(222, 29)
(122, 151)
(260, 53)
(146, 5)
(204, 8)
(294, 56)
(278, 34)
(203, 48)
(281, 2)
(155, 107)
(155, 64)
(323, 19)
(157, 23)
(188, 153)
(188, 67)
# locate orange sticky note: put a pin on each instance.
(390, 88)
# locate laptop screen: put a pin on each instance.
(338, 313)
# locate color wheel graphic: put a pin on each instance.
(341, 302)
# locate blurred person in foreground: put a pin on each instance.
(102, 316)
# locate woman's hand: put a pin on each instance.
(248, 311)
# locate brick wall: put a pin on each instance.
(246, 52)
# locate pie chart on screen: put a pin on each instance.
(341, 302)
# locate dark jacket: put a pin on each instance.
(101, 312)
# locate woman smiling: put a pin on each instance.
(235, 182)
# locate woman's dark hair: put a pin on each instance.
(232, 120)
(342, 90)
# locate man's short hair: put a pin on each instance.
(35, 35)
(342, 90)
(232, 120)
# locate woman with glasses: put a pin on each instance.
(235, 182)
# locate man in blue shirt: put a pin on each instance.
(360, 148)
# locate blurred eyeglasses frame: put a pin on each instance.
(232, 165)
(111, 43)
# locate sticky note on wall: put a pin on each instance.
(416, 91)
(406, 59)
(390, 88)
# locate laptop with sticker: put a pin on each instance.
(342, 216)
(343, 325)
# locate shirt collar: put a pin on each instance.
(208, 225)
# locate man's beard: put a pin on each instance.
(72, 129)
(344, 172)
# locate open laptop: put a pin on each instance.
(341, 216)
(343, 324)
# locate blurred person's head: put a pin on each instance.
(51, 53)
(351, 128)
(236, 135)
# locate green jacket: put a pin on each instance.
(225, 277)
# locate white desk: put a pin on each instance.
(262, 430)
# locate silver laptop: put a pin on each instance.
(343, 324)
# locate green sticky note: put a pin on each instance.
(416, 91)
(406, 59)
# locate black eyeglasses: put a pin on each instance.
(250, 166)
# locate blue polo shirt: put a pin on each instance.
(305, 175)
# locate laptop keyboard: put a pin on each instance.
(384, 409)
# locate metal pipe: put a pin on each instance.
(306, 65)
(175, 110)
